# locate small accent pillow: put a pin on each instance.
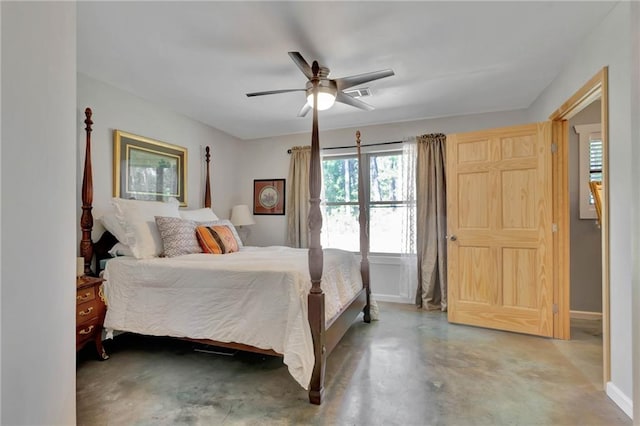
(199, 215)
(227, 223)
(178, 236)
(217, 239)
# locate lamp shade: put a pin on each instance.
(241, 215)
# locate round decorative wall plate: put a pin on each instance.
(268, 197)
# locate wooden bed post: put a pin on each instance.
(316, 296)
(364, 233)
(207, 185)
(86, 220)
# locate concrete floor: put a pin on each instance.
(409, 368)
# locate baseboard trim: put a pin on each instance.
(586, 315)
(623, 401)
(390, 298)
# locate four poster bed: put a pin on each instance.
(230, 300)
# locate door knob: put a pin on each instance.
(453, 238)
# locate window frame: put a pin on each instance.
(586, 133)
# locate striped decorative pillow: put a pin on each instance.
(217, 239)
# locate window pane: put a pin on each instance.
(386, 228)
(595, 163)
(595, 176)
(340, 228)
(340, 179)
(385, 177)
(595, 155)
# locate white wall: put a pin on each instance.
(609, 44)
(0, 216)
(635, 202)
(116, 109)
(38, 212)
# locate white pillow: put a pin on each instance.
(138, 219)
(120, 249)
(112, 224)
(199, 215)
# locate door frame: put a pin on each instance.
(595, 88)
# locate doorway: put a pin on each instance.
(594, 89)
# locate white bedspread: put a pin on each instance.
(257, 296)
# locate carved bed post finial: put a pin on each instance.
(207, 185)
(86, 220)
(363, 218)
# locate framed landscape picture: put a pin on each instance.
(146, 169)
(268, 196)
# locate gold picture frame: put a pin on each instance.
(147, 169)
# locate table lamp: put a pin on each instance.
(241, 218)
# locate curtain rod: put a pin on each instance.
(353, 146)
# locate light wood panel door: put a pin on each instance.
(499, 213)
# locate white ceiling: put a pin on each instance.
(200, 58)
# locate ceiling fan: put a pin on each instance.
(329, 90)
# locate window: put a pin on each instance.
(383, 192)
(591, 153)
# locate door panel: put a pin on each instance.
(473, 188)
(499, 209)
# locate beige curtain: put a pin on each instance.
(431, 222)
(298, 197)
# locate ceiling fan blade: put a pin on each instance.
(304, 110)
(274, 92)
(349, 100)
(355, 80)
(301, 63)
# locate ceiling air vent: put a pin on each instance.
(358, 93)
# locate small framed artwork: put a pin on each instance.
(146, 169)
(268, 196)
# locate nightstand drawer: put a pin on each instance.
(87, 330)
(86, 294)
(88, 311)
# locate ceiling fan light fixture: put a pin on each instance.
(325, 100)
(327, 89)
(326, 94)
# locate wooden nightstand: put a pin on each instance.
(90, 312)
